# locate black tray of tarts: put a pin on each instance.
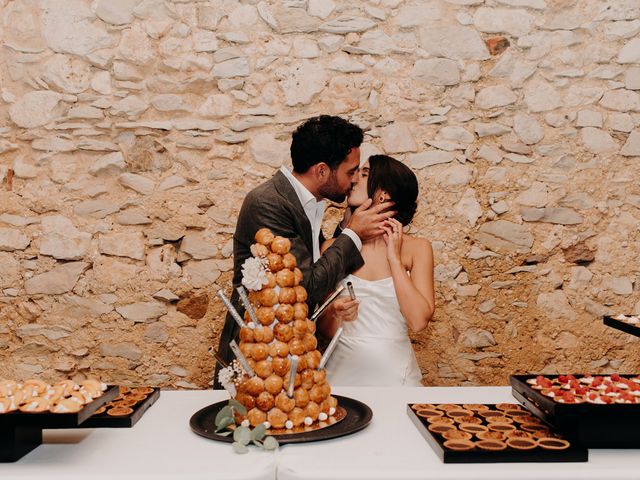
(600, 411)
(488, 433)
(49, 420)
(626, 323)
(125, 410)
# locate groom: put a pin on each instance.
(325, 155)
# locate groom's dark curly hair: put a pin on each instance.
(324, 138)
(394, 177)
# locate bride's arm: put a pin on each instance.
(415, 293)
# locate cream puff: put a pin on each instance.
(300, 328)
(280, 245)
(285, 278)
(297, 276)
(284, 403)
(296, 346)
(307, 379)
(260, 351)
(254, 386)
(310, 342)
(266, 315)
(264, 236)
(277, 418)
(301, 293)
(275, 263)
(259, 250)
(284, 313)
(256, 417)
(263, 334)
(268, 297)
(301, 396)
(296, 416)
(313, 359)
(300, 311)
(265, 401)
(273, 384)
(280, 366)
(283, 332)
(263, 369)
(287, 295)
(289, 261)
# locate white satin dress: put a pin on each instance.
(374, 349)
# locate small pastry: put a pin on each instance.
(246, 349)
(7, 405)
(472, 428)
(268, 297)
(278, 349)
(296, 380)
(312, 410)
(310, 342)
(65, 405)
(283, 332)
(143, 390)
(522, 443)
(275, 263)
(313, 359)
(284, 403)
(256, 417)
(300, 328)
(459, 445)
(301, 396)
(245, 399)
(285, 278)
(501, 427)
(266, 315)
(326, 390)
(70, 386)
(302, 364)
(264, 236)
(507, 406)
(457, 435)
(310, 325)
(300, 311)
(320, 376)
(297, 276)
(490, 435)
(38, 385)
(55, 393)
(254, 386)
(280, 366)
(459, 413)
(271, 280)
(277, 418)
(553, 443)
(280, 245)
(307, 380)
(101, 410)
(284, 313)
(265, 401)
(260, 351)
(518, 434)
(297, 416)
(263, 334)
(273, 384)
(8, 388)
(428, 413)
(93, 384)
(475, 407)
(35, 405)
(289, 261)
(301, 293)
(263, 369)
(120, 411)
(440, 428)
(499, 419)
(447, 420)
(316, 394)
(492, 445)
(259, 250)
(296, 346)
(287, 295)
(468, 419)
(246, 334)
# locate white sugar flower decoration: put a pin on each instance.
(254, 275)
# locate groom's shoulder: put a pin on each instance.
(265, 192)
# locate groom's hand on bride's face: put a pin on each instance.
(368, 222)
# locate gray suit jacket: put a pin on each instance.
(275, 205)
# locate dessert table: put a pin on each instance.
(162, 446)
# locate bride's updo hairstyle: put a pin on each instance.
(398, 180)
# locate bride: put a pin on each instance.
(394, 289)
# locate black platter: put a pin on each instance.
(103, 420)
(622, 326)
(358, 416)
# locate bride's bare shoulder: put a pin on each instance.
(418, 246)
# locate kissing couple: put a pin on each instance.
(392, 273)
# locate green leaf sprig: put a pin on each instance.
(242, 436)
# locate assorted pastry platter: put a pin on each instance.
(601, 411)
(480, 433)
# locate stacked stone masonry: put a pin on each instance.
(131, 130)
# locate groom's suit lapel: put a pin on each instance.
(286, 191)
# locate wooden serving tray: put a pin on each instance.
(22, 432)
(104, 420)
(574, 453)
(595, 426)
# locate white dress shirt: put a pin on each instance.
(314, 210)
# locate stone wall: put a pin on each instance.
(132, 129)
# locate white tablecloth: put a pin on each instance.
(162, 446)
(392, 448)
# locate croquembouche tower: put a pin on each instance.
(278, 375)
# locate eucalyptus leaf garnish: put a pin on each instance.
(226, 425)
(237, 406)
(270, 443)
(240, 448)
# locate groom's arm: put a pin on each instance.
(319, 278)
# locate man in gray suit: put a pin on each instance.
(325, 155)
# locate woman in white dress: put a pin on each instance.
(394, 289)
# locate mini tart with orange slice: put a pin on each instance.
(65, 405)
(35, 405)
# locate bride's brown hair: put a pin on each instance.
(398, 180)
